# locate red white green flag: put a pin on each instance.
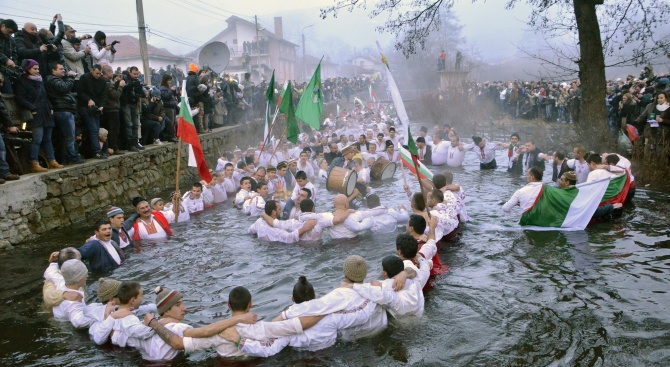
(407, 161)
(570, 208)
(188, 134)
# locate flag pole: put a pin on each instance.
(272, 124)
(423, 190)
(280, 139)
(176, 213)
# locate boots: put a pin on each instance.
(54, 164)
(36, 168)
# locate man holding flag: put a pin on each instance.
(188, 134)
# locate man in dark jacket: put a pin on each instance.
(29, 45)
(102, 253)
(60, 88)
(111, 119)
(8, 55)
(92, 97)
(7, 122)
(132, 92)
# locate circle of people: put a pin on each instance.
(276, 184)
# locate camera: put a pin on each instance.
(114, 43)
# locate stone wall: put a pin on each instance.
(38, 203)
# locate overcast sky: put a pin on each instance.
(181, 26)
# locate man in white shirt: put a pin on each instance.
(486, 152)
(365, 316)
(440, 150)
(153, 225)
(525, 197)
(598, 171)
(352, 225)
(74, 274)
(404, 303)
(305, 166)
(268, 233)
(385, 220)
(579, 164)
(456, 151)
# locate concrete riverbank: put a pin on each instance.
(39, 203)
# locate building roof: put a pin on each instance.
(129, 48)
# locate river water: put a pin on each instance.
(512, 298)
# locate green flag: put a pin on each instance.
(411, 145)
(286, 106)
(310, 106)
(270, 96)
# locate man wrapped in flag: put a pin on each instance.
(548, 206)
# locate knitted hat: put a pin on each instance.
(156, 200)
(166, 298)
(73, 271)
(27, 64)
(114, 211)
(355, 268)
(107, 289)
(193, 68)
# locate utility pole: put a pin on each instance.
(258, 49)
(143, 42)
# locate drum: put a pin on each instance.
(427, 184)
(342, 180)
(382, 169)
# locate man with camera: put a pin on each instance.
(29, 45)
(131, 95)
(92, 96)
(74, 55)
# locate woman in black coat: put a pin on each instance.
(32, 96)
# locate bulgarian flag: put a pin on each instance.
(187, 133)
(358, 101)
(372, 93)
(338, 110)
(617, 190)
(407, 161)
(570, 208)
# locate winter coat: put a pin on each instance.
(28, 47)
(8, 50)
(90, 88)
(192, 91)
(31, 95)
(100, 54)
(74, 58)
(60, 92)
(132, 92)
(5, 119)
(168, 97)
(113, 97)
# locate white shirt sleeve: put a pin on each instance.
(193, 344)
(270, 330)
(133, 328)
(428, 250)
(321, 306)
(255, 348)
(379, 295)
(75, 313)
(100, 330)
(354, 224)
(512, 202)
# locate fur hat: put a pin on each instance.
(355, 268)
(108, 289)
(166, 298)
(73, 271)
(202, 88)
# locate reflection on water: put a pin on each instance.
(512, 297)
